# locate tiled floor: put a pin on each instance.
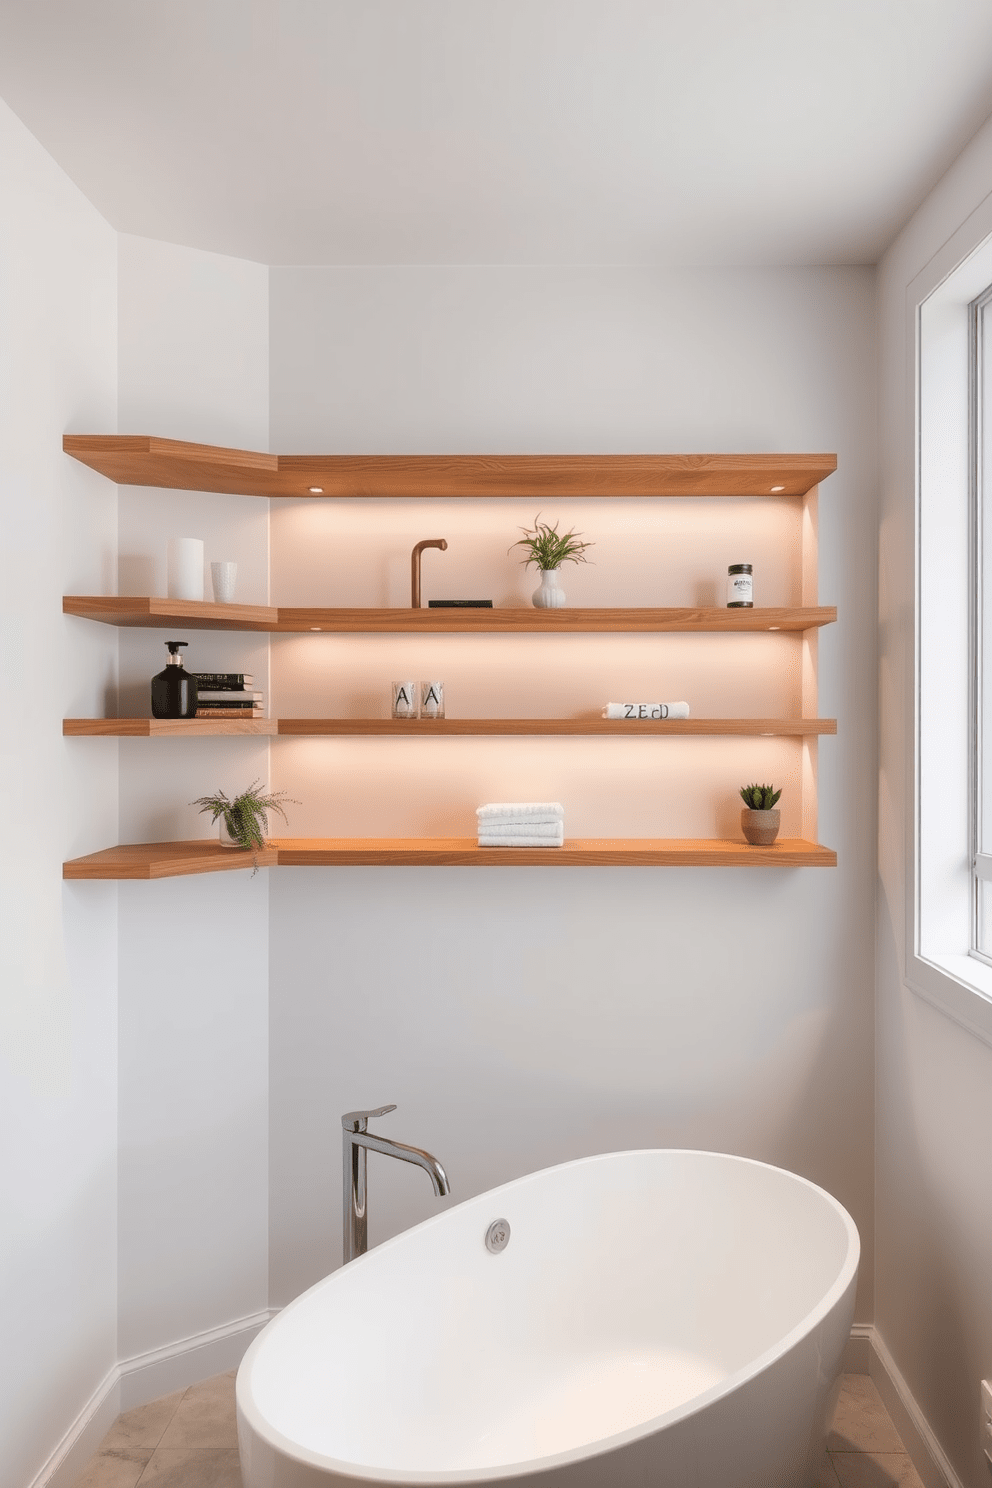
(188, 1440)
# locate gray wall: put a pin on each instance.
(58, 953)
(521, 1017)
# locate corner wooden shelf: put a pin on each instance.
(142, 460)
(187, 614)
(168, 728)
(192, 615)
(150, 860)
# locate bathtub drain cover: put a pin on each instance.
(498, 1236)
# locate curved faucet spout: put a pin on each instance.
(428, 542)
(357, 1140)
(416, 1155)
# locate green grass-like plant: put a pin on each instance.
(246, 816)
(759, 797)
(548, 548)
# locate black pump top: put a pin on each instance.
(174, 646)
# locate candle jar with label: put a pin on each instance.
(740, 587)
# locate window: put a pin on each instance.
(949, 959)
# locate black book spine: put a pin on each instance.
(223, 681)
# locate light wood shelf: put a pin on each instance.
(168, 728)
(174, 859)
(141, 460)
(422, 728)
(192, 615)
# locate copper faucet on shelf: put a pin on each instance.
(428, 542)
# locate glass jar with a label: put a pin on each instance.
(740, 587)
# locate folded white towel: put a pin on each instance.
(517, 810)
(519, 823)
(521, 840)
(529, 828)
(637, 711)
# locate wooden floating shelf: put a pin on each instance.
(150, 860)
(193, 615)
(187, 614)
(141, 460)
(421, 728)
(168, 728)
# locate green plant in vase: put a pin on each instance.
(245, 818)
(759, 819)
(548, 549)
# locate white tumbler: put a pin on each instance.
(222, 576)
(185, 568)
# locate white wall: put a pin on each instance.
(934, 1078)
(58, 1040)
(193, 951)
(523, 1016)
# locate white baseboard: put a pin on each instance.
(145, 1377)
(857, 1355)
(178, 1365)
(925, 1451)
(87, 1431)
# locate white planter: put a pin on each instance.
(549, 596)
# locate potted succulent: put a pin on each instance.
(548, 549)
(759, 821)
(244, 820)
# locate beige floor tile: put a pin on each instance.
(861, 1422)
(872, 1470)
(827, 1477)
(143, 1426)
(187, 1467)
(119, 1468)
(205, 1416)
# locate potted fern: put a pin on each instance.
(244, 819)
(548, 549)
(759, 821)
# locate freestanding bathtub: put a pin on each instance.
(658, 1319)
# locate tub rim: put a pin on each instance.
(434, 1478)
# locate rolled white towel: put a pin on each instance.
(638, 711)
(520, 810)
(522, 839)
(529, 828)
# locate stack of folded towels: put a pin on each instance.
(522, 824)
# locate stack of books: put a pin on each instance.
(227, 695)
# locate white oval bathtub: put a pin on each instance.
(659, 1317)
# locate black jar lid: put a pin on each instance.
(739, 568)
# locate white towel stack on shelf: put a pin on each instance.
(521, 824)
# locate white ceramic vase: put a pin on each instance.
(550, 595)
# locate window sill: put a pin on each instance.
(959, 986)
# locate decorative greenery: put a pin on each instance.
(246, 816)
(759, 797)
(548, 548)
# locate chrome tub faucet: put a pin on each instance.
(357, 1140)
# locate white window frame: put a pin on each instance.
(940, 966)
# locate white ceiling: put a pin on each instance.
(503, 131)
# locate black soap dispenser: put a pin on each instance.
(174, 690)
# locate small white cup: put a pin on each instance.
(222, 576)
(432, 699)
(404, 699)
(185, 568)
